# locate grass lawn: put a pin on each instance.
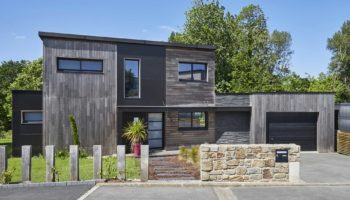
(62, 165)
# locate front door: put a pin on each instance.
(155, 130)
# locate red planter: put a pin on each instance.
(136, 149)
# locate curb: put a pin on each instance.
(48, 184)
(215, 184)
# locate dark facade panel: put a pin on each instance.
(232, 100)
(152, 68)
(26, 134)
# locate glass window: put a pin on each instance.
(192, 120)
(30, 117)
(68, 64)
(192, 71)
(132, 78)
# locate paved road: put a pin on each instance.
(47, 193)
(325, 168)
(206, 193)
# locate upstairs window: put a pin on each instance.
(192, 71)
(132, 78)
(192, 120)
(79, 65)
(32, 117)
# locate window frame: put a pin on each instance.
(192, 63)
(192, 128)
(139, 70)
(80, 61)
(26, 111)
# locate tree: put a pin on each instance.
(295, 83)
(30, 78)
(248, 58)
(339, 45)
(8, 73)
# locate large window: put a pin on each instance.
(132, 78)
(192, 120)
(192, 71)
(32, 117)
(79, 65)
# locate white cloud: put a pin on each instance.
(19, 37)
(144, 30)
(168, 28)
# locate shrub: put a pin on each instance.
(6, 176)
(55, 173)
(193, 155)
(83, 153)
(183, 153)
(135, 132)
(62, 154)
(110, 167)
(73, 126)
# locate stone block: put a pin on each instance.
(26, 163)
(230, 171)
(3, 158)
(144, 162)
(236, 178)
(216, 172)
(294, 171)
(254, 170)
(121, 175)
(204, 149)
(204, 155)
(279, 176)
(219, 165)
(204, 176)
(270, 163)
(240, 153)
(232, 162)
(241, 170)
(220, 155)
(206, 165)
(214, 148)
(258, 163)
(255, 177)
(50, 163)
(267, 174)
(212, 155)
(74, 162)
(97, 154)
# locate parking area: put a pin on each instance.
(325, 168)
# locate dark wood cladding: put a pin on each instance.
(321, 103)
(187, 92)
(232, 100)
(175, 138)
(90, 97)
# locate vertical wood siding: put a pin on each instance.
(185, 92)
(90, 97)
(321, 103)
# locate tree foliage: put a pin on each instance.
(8, 73)
(30, 78)
(74, 129)
(248, 57)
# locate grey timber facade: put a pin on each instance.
(107, 82)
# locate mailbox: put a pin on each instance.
(281, 155)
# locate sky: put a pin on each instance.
(310, 22)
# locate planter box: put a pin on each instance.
(343, 143)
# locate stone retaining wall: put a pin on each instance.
(248, 163)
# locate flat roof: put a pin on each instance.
(122, 40)
(249, 93)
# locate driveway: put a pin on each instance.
(325, 168)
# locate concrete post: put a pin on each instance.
(144, 162)
(294, 172)
(121, 162)
(97, 153)
(3, 158)
(26, 163)
(74, 162)
(50, 163)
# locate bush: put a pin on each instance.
(6, 176)
(183, 153)
(62, 154)
(193, 154)
(83, 153)
(73, 126)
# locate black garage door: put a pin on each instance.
(293, 127)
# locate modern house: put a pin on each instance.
(106, 82)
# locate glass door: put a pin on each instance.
(155, 130)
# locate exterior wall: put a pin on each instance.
(25, 134)
(232, 100)
(189, 93)
(90, 97)
(278, 102)
(152, 63)
(248, 163)
(175, 138)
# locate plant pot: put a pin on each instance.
(136, 149)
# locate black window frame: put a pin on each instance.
(80, 61)
(139, 77)
(192, 79)
(31, 111)
(192, 128)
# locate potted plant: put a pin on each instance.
(135, 132)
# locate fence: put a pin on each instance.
(74, 162)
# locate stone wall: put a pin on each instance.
(248, 163)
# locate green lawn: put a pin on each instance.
(62, 165)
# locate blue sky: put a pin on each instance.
(310, 23)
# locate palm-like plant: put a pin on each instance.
(135, 132)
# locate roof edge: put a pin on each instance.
(250, 93)
(68, 36)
